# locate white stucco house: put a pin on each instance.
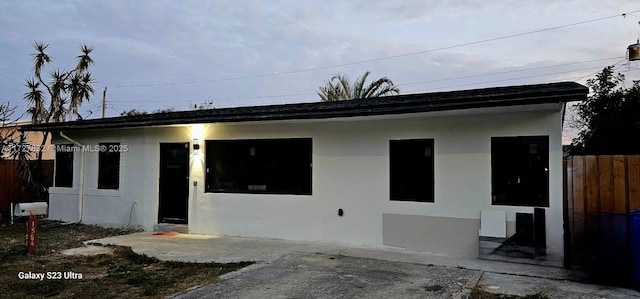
(412, 171)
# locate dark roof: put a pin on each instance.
(400, 104)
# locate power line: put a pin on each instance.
(374, 59)
(507, 72)
(591, 74)
(457, 85)
(509, 79)
(631, 69)
(124, 106)
(130, 102)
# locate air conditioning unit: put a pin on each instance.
(31, 208)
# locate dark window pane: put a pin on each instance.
(411, 170)
(64, 165)
(109, 166)
(520, 171)
(281, 166)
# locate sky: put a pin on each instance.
(154, 55)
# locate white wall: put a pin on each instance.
(350, 171)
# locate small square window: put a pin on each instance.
(520, 171)
(411, 170)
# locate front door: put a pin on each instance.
(174, 183)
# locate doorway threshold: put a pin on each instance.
(171, 227)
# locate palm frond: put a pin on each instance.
(358, 91)
(36, 99)
(57, 83)
(381, 87)
(40, 58)
(80, 89)
(338, 88)
(344, 87)
(84, 60)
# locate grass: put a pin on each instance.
(479, 292)
(122, 274)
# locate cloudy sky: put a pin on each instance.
(173, 54)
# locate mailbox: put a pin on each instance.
(31, 209)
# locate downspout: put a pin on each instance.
(563, 109)
(81, 178)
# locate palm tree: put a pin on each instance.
(61, 98)
(339, 88)
(54, 101)
(66, 90)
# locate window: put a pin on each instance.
(411, 170)
(279, 166)
(109, 166)
(63, 176)
(520, 171)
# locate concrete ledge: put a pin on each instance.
(170, 227)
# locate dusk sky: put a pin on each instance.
(174, 54)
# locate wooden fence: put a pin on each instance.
(11, 185)
(600, 191)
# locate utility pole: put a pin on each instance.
(104, 101)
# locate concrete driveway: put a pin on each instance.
(309, 275)
(293, 269)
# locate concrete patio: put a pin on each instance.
(495, 276)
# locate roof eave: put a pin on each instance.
(403, 104)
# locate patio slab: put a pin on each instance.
(277, 257)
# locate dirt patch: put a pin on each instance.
(479, 292)
(121, 274)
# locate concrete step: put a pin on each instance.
(170, 227)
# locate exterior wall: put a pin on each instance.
(350, 171)
(428, 233)
(32, 138)
(134, 203)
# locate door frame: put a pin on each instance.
(160, 219)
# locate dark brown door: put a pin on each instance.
(174, 183)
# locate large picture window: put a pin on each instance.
(411, 170)
(278, 166)
(109, 166)
(63, 176)
(520, 171)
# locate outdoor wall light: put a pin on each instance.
(196, 146)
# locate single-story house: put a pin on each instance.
(413, 171)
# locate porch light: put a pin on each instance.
(196, 146)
